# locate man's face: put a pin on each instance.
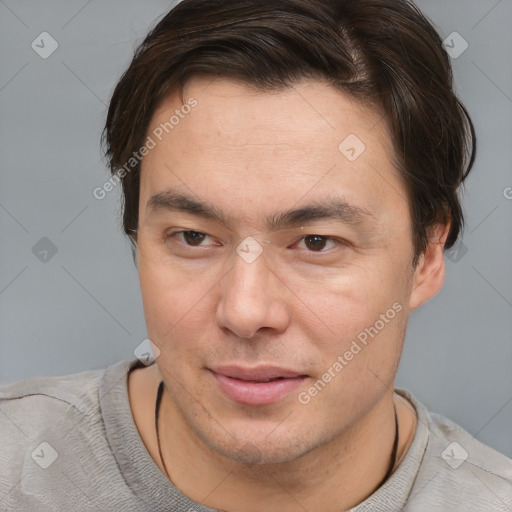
(225, 320)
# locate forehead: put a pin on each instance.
(297, 142)
(229, 111)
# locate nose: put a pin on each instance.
(252, 298)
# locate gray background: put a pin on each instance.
(81, 309)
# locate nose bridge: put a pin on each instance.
(249, 280)
(250, 262)
(250, 297)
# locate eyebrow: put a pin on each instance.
(331, 208)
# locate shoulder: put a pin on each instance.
(44, 400)
(44, 420)
(459, 472)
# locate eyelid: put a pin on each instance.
(174, 233)
(338, 241)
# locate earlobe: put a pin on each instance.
(134, 257)
(429, 274)
(134, 248)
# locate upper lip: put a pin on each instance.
(257, 373)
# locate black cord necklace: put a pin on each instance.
(392, 461)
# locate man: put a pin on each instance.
(290, 173)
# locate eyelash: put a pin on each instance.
(339, 242)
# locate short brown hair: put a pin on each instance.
(382, 52)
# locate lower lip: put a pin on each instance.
(257, 393)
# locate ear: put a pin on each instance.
(429, 274)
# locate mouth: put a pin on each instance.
(257, 386)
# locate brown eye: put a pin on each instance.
(315, 242)
(193, 237)
(188, 238)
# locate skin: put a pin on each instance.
(251, 154)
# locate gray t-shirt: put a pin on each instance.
(70, 443)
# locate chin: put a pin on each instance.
(256, 448)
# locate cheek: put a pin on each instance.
(349, 296)
(174, 321)
(335, 321)
(358, 360)
(177, 305)
(358, 315)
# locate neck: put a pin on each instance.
(338, 475)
